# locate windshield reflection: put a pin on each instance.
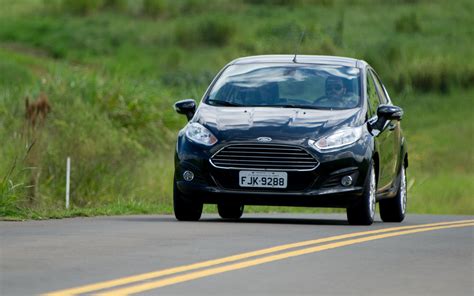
(287, 86)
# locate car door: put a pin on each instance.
(388, 140)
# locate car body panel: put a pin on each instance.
(236, 123)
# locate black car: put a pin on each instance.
(311, 131)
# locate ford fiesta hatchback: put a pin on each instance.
(310, 131)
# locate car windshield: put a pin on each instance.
(288, 86)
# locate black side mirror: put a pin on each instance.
(186, 107)
(389, 112)
(385, 113)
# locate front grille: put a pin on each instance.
(264, 156)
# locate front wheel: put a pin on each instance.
(230, 211)
(363, 212)
(394, 209)
(185, 209)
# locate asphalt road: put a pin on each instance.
(139, 254)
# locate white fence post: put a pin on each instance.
(68, 175)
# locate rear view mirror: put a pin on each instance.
(186, 107)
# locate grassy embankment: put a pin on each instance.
(111, 72)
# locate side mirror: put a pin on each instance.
(186, 107)
(389, 112)
(385, 113)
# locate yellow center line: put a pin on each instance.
(229, 259)
(253, 262)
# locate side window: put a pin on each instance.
(380, 88)
(372, 96)
(389, 101)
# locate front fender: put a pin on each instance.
(403, 157)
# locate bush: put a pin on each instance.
(428, 76)
(118, 5)
(212, 32)
(82, 7)
(12, 191)
(215, 31)
(192, 6)
(154, 8)
(13, 172)
(409, 23)
(431, 75)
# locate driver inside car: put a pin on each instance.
(336, 95)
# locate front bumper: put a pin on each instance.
(333, 198)
(320, 187)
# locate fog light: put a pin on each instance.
(188, 175)
(346, 181)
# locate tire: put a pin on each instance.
(363, 212)
(230, 211)
(394, 209)
(185, 209)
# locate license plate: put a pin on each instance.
(263, 179)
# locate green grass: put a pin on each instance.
(441, 149)
(111, 70)
(110, 209)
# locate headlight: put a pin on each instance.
(199, 134)
(339, 138)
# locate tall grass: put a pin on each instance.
(10, 194)
(111, 130)
(111, 70)
(214, 31)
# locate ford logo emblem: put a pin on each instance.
(264, 139)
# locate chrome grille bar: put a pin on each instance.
(264, 156)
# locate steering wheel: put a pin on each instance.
(322, 99)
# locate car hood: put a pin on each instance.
(281, 124)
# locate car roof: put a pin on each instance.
(304, 59)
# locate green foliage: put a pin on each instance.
(119, 5)
(111, 70)
(192, 6)
(87, 7)
(82, 7)
(154, 8)
(291, 2)
(110, 209)
(409, 23)
(274, 2)
(441, 166)
(214, 31)
(12, 174)
(13, 74)
(437, 193)
(9, 197)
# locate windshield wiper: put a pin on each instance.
(223, 103)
